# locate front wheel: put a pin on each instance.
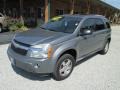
(105, 49)
(64, 67)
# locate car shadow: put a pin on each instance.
(32, 76)
(85, 59)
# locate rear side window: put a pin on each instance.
(99, 25)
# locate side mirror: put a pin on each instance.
(86, 32)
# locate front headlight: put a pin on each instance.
(40, 51)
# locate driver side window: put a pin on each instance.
(88, 24)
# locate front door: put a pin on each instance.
(86, 43)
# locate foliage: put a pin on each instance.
(15, 25)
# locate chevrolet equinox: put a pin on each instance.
(56, 46)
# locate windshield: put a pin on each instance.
(62, 24)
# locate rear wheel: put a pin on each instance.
(64, 67)
(105, 49)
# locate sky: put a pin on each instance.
(115, 3)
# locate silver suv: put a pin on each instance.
(58, 45)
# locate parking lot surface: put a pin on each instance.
(99, 72)
(5, 37)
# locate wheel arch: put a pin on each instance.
(72, 52)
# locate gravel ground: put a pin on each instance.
(5, 37)
(96, 73)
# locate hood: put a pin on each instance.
(38, 36)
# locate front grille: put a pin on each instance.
(18, 50)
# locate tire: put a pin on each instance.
(105, 49)
(64, 67)
(0, 28)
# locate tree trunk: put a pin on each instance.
(4, 6)
(72, 7)
(21, 12)
(88, 7)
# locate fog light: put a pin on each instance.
(36, 66)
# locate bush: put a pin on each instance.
(23, 28)
(19, 25)
(15, 25)
(13, 28)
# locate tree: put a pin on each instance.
(21, 12)
(88, 6)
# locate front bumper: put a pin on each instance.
(30, 64)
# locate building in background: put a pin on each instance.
(41, 10)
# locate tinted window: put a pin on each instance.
(62, 24)
(88, 24)
(99, 25)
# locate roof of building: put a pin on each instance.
(108, 5)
